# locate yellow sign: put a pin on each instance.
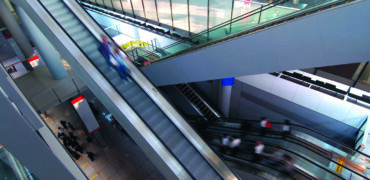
(339, 167)
(132, 44)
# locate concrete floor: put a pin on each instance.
(116, 156)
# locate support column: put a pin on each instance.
(47, 51)
(16, 32)
(225, 95)
(28, 139)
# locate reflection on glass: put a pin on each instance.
(180, 14)
(117, 6)
(108, 4)
(150, 10)
(219, 12)
(11, 168)
(164, 12)
(365, 77)
(198, 15)
(138, 8)
(100, 2)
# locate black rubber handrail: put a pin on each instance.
(317, 133)
(302, 156)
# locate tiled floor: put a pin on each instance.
(119, 158)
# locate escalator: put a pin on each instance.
(136, 104)
(311, 40)
(318, 160)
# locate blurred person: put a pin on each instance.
(224, 143)
(70, 126)
(258, 151)
(90, 155)
(265, 124)
(285, 128)
(277, 155)
(289, 164)
(105, 50)
(64, 124)
(234, 145)
(120, 65)
(60, 132)
(244, 128)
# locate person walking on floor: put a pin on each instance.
(90, 155)
(70, 126)
(64, 124)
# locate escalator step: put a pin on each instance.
(85, 42)
(195, 163)
(81, 36)
(161, 126)
(59, 12)
(129, 93)
(157, 115)
(149, 112)
(55, 6)
(201, 170)
(90, 49)
(49, 2)
(174, 140)
(169, 132)
(66, 18)
(137, 98)
(142, 106)
(188, 156)
(71, 24)
(180, 147)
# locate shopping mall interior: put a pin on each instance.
(186, 91)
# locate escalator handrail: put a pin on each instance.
(106, 78)
(281, 19)
(308, 160)
(226, 129)
(216, 169)
(228, 22)
(296, 125)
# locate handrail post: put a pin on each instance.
(259, 18)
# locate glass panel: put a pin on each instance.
(126, 6)
(100, 3)
(164, 12)
(117, 5)
(151, 12)
(269, 13)
(219, 12)
(365, 77)
(198, 15)
(108, 4)
(180, 14)
(138, 8)
(11, 168)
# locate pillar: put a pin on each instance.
(225, 95)
(46, 50)
(17, 33)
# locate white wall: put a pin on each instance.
(332, 107)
